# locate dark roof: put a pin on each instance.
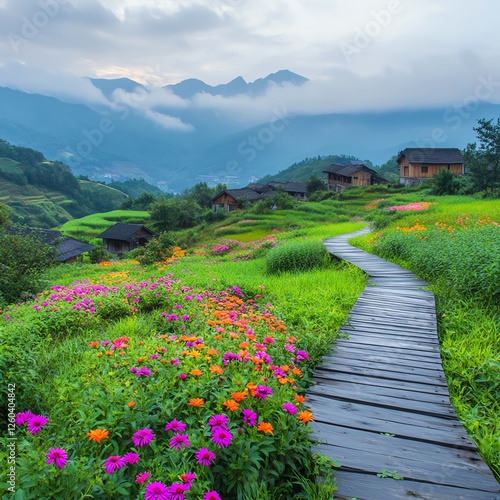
(295, 187)
(240, 194)
(352, 168)
(66, 247)
(432, 155)
(123, 231)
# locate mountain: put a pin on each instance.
(177, 140)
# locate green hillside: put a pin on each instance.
(46, 194)
(303, 170)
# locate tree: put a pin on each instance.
(444, 182)
(314, 184)
(175, 213)
(389, 170)
(483, 161)
(4, 216)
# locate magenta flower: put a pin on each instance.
(143, 437)
(178, 441)
(142, 477)
(23, 417)
(177, 491)
(218, 421)
(249, 417)
(182, 376)
(188, 477)
(36, 422)
(157, 491)
(221, 437)
(290, 408)
(204, 457)
(114, 462)
(175, 425)
(143, 372)
(211, 495)
(131, 457)
(57, 456)
(302, 355)
(262, 391)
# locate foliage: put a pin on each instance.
(297, 257)
(315, 184)
(201, 194)
(22, 262)
(160, 248)
(389, 170)
(483, 160)
(445, 182)
(175, 213)
(4, 216)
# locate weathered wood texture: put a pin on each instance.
(381, 400)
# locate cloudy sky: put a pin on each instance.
(359, 54)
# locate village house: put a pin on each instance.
(418, 164)
(123, 237)
(67, 249)
(340, 177)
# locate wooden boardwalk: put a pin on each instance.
(380, 400)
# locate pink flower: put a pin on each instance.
(175, 425)
(23, 417)
(143, 437)
(211, 495)
(57, 456)
(177, 491)
(262, 391)
(221, 437)
(36, 422)
(218, 421)
(142, 477)
(290, 408)
(131, 457)
(114, 462)
(188, 477)
(178, 441)
(204, 457)
(143, 372)
(249, 417)
(157, 491)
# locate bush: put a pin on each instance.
(296, 257)
(157, 250)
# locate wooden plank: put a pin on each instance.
(355, 393)
(412, 459)
(428, 386)
(384, 420)
(374, 341)
(393, 334)
(348, 344)
(367, 487)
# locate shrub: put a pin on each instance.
(157, 250)
(296, 257)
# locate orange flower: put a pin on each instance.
(212, 352)
(300, 398)
(130, 404)
(244, 345)
(94, 343)
(231, 405)
(197, 402)
(305, 416)
(239, 396)
(216, 369)
(196, 372)
(97, 435)
(265, 427)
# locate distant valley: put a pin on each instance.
(191, 131)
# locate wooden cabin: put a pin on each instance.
(297, 190)
(67, 249)
(234, 199)
(418, 164)
(340, 177)
(122, 237)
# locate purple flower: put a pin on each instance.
(302, 355)
(211, 495)
(175, 425)
(157, 491)
(114, 462)
(23, 417)
(204, 456)
(172, 317)
(143, 372)
(131, 457)
(188, 477)
(177, 491)
(249, 417)
(185, 317)
(36, 422)
(142, 477)
(178, 441)
(218, 421)
(182, 376)
(57, 456)
(174, 361)
(290, 408)
(143, 437)
(262, 391)
(221, 437)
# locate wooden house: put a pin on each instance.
(67, 249)
(297, 190)
(234, 199)
(340, 177)
(122, 237)
(418, 164)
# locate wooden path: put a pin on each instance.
(380, 400)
